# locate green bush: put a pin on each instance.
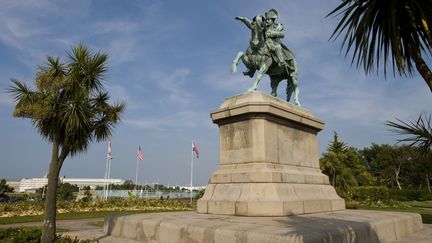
(410, 194)
(32, 234)
(21, 234)
(351, 205)
(368, 193)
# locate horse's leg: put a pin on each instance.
(294, 84)
(236, 61)
(274, 83)
(296, 92)
(289, 89)
(263, 69)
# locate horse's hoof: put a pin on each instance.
(251, 90)
(297, 104)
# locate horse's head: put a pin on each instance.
(257, 38)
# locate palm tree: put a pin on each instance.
(70, 109)
(334, 163)
(377, 30)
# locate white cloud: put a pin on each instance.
(348, 96)
(115, 26)
(174, 87)
(123, 49)
(119, 93)
(24, 30)
(179, 120)
(223, 80)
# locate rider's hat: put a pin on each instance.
(271, 14)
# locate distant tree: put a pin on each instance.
(127, 185)
(393, 165)
(378, 30)
(4, 187)
(70, 109)
(65, 191)
(87, 196)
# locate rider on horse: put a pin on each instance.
(273, 34)
(267, 55)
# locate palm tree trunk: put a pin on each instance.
(421, 66)
(49, 226)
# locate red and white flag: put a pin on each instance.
(140, 155)
(195, 149)
(109, 149)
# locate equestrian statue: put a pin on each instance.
(266, 54)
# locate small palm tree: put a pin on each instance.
(70, 109)
(379, 30)
(334, 163)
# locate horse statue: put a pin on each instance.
(259, 57)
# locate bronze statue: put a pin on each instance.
(267, 54)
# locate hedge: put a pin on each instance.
(410, 194)
(368, 193)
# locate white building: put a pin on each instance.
(36, 183)
(32, 184)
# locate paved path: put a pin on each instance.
(70, 224)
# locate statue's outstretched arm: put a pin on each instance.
(245, 20)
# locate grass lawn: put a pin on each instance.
(423, 208)
(75, 215)
(97, 223)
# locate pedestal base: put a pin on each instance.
(342, 226)
(269, 199)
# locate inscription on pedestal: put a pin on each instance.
(235, 136)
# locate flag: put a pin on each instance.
(109, 149)
(140, 155)
(195, 149)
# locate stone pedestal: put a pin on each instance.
(268, 161)
(268, 167)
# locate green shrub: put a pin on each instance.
(21, 234)
(32, 234)
(368, 193)
(410, 194)
(351, 205)
(200, 194)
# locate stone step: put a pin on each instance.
(341, 226)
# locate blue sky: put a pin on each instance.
(169, 61)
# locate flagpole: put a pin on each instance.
(136, 178)
(108, 177)
(105, 179)
(191, 177)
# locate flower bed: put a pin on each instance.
(132, 204)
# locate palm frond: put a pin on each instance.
(381, 32)
(419, 133)
(20, 92)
